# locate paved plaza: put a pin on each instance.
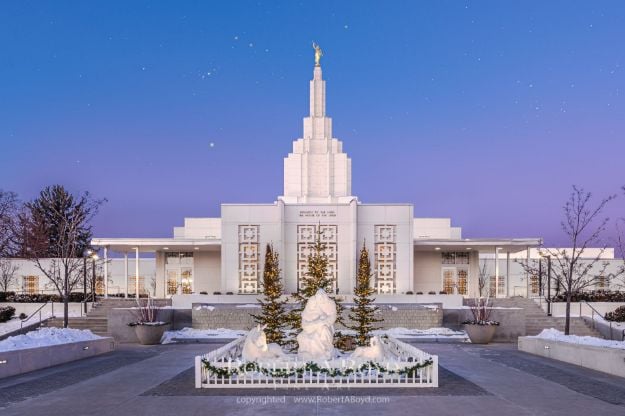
(475, 380)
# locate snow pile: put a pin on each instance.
(45, 337)
(249, 305)
(207, 307)
(555, 335)
(15, 323)
(190, 333)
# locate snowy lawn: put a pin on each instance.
(45, 337)
(190, 333)
(555, 335)
(432, 333)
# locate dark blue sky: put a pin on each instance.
(486, 112)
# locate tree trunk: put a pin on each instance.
(567, 321)
(66, 299)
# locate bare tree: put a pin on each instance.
(8, 270)
(583, 225)
(9, 206)
(482, 279)
(620, 247)
(56, 234)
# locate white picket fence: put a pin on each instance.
(401, 355)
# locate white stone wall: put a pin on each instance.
(427, 271)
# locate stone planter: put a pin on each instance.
(480, 334)
(150, 334)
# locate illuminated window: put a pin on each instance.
(30, 285)
(462, 281)
(99, 285)
(534, 284)
(502, 286)
(132, 288)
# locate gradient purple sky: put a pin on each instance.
(486, 112)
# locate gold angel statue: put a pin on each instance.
(318, 53)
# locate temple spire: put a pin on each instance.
(317, 94)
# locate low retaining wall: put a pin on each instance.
(31, 359)
(448, 301)
(118, 320)
(229, 316)
(512, 322)
(607, 360)
(581, 308)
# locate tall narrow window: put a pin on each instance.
(249, 258)
(385, 258)
(534, 285)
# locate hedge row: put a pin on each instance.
(39, 298)
(594, 296)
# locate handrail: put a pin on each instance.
(591, 307)
(599, 313)
(84, 301)
(33, 314)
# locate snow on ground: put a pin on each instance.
(249, 305)
(45, 337)
(14, 323)
(555, 335)
(488, 307)
(616, 325)
(422, 333)
(207, 307)
(190, 333)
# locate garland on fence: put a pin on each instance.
(310, 366)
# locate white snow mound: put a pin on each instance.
(555, 335)
(45, 337)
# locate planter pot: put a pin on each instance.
(480, 334)
(150, 334)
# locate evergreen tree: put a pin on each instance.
(273, 314)
(316, 278)
(362, 315)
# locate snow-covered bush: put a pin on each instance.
(6, 313)
(617, 316)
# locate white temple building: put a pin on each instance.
(408, 254)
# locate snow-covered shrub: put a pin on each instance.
(617, 316)
(6, 313)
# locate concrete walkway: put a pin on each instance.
(491, 380)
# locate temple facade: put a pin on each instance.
(226, 254)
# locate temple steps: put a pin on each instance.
(536, 318)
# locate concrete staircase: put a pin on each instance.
(98, 326)
(96, 319)
(536, 318)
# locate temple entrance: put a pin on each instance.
(455, 280)
(179, 273)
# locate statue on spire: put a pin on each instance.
(318, 54)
